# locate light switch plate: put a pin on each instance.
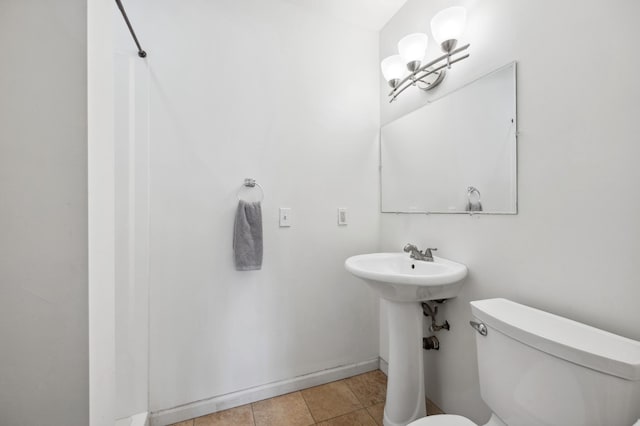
(342, 216)
(285, 217)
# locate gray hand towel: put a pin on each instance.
(247, 236)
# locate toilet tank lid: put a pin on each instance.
(570, 340)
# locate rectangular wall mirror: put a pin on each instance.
(457, 154)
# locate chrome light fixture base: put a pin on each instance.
(431, 74)
(431, 81)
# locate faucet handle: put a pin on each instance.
(409, 247)
(428, 251)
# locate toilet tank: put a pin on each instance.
(537, 368)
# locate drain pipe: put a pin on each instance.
(432, 342)
(428, 311)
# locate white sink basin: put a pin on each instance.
(397, 277)
(404, 282)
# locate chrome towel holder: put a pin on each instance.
(471, 205)
(251, 183)
(471, 190)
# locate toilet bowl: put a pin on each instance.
(443, 420)
(453, 420)
(537, 368)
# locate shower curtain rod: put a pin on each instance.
(141, 52)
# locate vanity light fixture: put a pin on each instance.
(447, 27)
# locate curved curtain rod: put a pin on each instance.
(141, 52)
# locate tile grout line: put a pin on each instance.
(375, 418)
(350, 412)
(354, 393)
(253, 414)
(363, 405)
(340, 415)
(306, 404)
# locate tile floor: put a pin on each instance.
(356, 401)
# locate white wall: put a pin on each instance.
(44, 378)
(573, 247)
(270, 91)
(101, 200)
(132, 230)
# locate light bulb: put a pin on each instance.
(447, 26)
(412, 49)
(393, 68)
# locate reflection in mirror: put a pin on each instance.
(456, 154)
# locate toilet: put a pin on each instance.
(537, 368)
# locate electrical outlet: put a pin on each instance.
(342, 216)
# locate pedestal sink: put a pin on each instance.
(404, 282)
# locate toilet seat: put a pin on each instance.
(443, 420)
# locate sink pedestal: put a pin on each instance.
(405, 382)
(404, 282)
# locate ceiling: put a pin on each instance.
(368, 14)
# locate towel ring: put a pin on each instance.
(251, 183)
(470, 191)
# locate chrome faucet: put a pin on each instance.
(416, 254)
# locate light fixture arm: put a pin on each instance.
(426, 70)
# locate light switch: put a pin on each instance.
(285, 217)
(342, 216)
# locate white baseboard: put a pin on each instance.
(141, 419)
(258, 393)
(384, 366)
